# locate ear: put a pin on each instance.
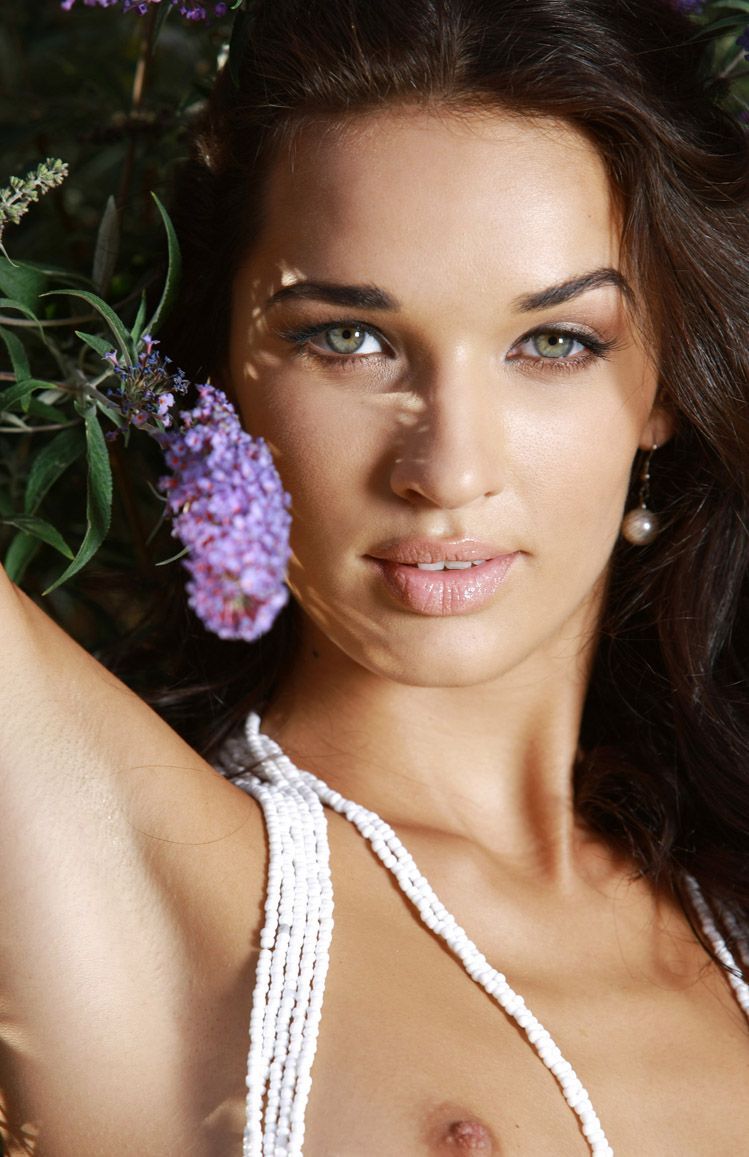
(661, 425)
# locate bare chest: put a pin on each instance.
(414, 1059)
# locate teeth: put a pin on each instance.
(449, 565)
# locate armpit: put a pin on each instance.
(19, 1137)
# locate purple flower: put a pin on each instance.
(743, 41)
(190, 9)
(690, 7)
(144, 392)
(231, 512)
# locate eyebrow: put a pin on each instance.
(574, 287)
(332, 292)
(372, 297)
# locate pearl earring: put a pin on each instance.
(640, 525)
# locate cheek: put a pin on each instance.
(327, 452)
(572, 466)
(580, 481)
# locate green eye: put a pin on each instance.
(345, 339)
(555, 345)
(342, 343)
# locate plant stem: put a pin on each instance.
(39, 429)
(733, 62)
(45, 323)
(124, 489)
(145, 56)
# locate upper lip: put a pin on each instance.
(415, 550)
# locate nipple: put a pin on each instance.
(468, 1137)
(452, 1131)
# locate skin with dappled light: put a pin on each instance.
(437, 336)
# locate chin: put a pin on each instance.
(473, 655)
(465, 650)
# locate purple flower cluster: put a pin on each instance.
(190, 9)
(145, 392)
(230, 510)
(743, 41)
(690, 7)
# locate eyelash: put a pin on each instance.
(596, 348)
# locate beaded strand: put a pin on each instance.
(293, 959)
(295, 946)
(740, 987)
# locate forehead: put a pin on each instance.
(404, 197)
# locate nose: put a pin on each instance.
(450, 454)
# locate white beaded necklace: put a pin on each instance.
(295, 947)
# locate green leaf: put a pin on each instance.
(111, 413)
(99, 345)
(163, 12)
(23, 548)
(122, 337)
(15, 422)
(741, 5)
(18, 358)
(174, 557)
(98, 498)
(23, 282)
(107, 247)
(40, 529)
(57, 273)
(11, 303)
(49, 464)
(139, 324)
(174, 269)
(41, 409)
(736, 21)
(15, 396)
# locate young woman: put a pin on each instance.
(476, 270)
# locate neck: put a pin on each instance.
(489, 764)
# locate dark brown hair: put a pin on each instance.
(665, 775)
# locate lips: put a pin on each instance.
(448, 591)
(412, 551)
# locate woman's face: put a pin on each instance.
(433, 336)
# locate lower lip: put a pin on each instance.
(445, 592)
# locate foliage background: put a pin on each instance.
(112, 94)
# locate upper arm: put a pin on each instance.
(125, 861)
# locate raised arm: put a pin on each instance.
(103, 807)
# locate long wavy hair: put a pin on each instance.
(665, 734)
